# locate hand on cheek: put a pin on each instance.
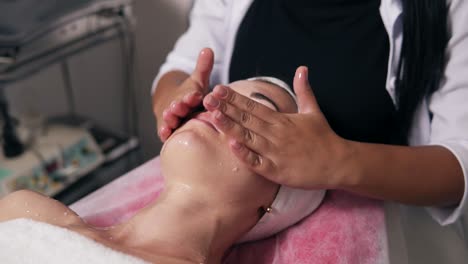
(298, 150)
(187, 96)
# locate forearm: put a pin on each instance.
(425, 176)
(166, 87)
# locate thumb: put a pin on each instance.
(305, 97)
(202, 72)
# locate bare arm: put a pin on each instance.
(426, 176)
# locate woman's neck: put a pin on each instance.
(184, 223)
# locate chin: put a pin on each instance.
(190, 137)
(189, 149)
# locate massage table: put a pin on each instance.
(345, 229)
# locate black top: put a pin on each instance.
(344, 44)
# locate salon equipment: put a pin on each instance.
(35, 35)
(120, 151)
(12, 147)
(344, 229)
(57, 158)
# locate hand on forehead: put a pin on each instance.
(266, 93)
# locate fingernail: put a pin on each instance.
(197, 94)
(303, 72)
(213, 102)
(221, 91)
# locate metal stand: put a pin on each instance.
(105, 24)
(80, 32)
(11, 145)
(68, 88)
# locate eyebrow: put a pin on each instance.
(263, 97)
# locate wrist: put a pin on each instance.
(349, 167)
(166, 90)
(157, 109)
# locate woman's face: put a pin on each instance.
(198, 156)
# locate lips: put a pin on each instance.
(207, 119)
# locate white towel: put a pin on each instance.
(24, 241)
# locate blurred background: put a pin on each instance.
(75, 80)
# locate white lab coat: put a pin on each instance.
(214, 24)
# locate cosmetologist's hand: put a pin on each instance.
(185, 98)
(298, 150)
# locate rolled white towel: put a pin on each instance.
(24, 241)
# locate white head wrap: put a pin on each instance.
(290, 205)
(276, 82)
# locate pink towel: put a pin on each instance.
(345, 229)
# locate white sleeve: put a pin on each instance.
(207, 29)
(449, 106)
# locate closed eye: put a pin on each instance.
(263, 97)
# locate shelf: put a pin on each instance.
(23, 53)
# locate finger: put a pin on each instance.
(180, 109)
(223, 96)
(203, 68)
(171, 120)
(259, 164)
(243, 118)
(164, 133)
(306, 99)
(193, 99)
(250, 138)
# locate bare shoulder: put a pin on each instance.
(32, 205)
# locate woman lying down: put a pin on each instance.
(210, 202)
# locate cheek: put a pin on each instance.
(195, 153)
(189, 137)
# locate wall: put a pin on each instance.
(96, 74)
